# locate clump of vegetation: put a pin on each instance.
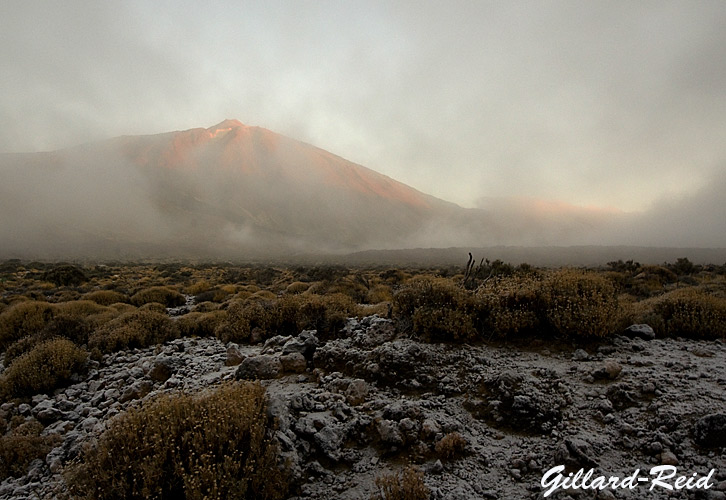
(44, 368)
(451, 446)
(65, 275)
(160, 294)
(21, 445)
(212, 445)
(257, 318)
(23, 319)
(106, 297)
(436, 310)
(200, 324)
(691, 312)
(135, 329)
(580, 303)
(510, 305)
(405, 485)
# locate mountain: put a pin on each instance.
(229, 191)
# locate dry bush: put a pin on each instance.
(212, 445)
(297, 287)
(510, 305)
(325, 313)
(215, 294)
(580, 303)
(65, 275)
(242, 318)
(257, 319)
(122, 308)
(106, 297)
(198, 287)
(154, 307)
(75, 329)
(437, 310)
(22, 445)
(135, 329)
(44, 368)
(23, 319)
(451, 446)
(205, 307)
(405, 485)
(94, 314)
(378, 294)
(691, 312)
(161, 294)
(200, 324)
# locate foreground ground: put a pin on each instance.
(475, 384)
(374, 401)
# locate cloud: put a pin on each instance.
(696, 220)
(612, 104)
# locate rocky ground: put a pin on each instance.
(373, 401)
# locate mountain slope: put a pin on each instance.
(225, 191)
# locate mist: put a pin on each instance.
(237, 192)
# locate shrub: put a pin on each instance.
(44, 368)
(451, 446)
(85, 310)
(242, 318)
(22, 445)
(378, 294)
(75, 329)
(297, 287)
(65, 275)
(212, 295)
(436, 309)
(510, 305)
(161, 294)
(106, 297)
(256, 319)
(134, 329)
(691, 312)
(204, 307)
(405, 485)
(23, 319)
(325, 313)
(200, 324)
(580, 304)
(214, 444)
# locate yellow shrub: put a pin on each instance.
(451, 446)
(580, 304)
(23, 319)
(691, 312)
(436, 309)
(161, 294)
(200, 324)
(21, 446)
(297, 287)
(135, 329)
(510, 305)
(106, 297)
(405, 485)
(379, 293)
(44, 368)
(212, 445)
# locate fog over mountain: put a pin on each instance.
(235, 191)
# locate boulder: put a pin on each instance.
(260, 367)
(640, 331)
(710, 431)
(293, 363)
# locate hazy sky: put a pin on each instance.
(618, 104)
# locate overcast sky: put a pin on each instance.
(617, 104)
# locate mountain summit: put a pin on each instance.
(229, 190)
